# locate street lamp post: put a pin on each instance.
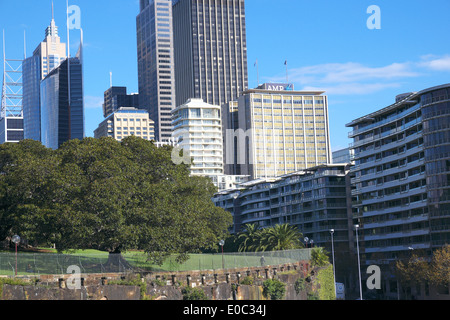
(306, 241)
(16, 240)
(359, 263)
(221, 243)
(334, 267)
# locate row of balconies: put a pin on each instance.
(384, 122)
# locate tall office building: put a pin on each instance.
(210, 50)
(402, 177)
(116, 98)
(156, 64)
(47, 56)
(280, 131)
(62, 107)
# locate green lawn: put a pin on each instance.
(93, 261)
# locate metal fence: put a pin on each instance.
(35, 264)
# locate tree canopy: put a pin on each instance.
(420, 267)
(107, 195)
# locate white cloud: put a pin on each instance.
(353, 88)
(436, 63)
(350, 72)
(359, 79)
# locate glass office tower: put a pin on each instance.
(210, 50)
(31, 98)
(156, 64)
(62, 119)
(47, 56)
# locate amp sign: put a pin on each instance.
(277, 86)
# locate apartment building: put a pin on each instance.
(402, 176)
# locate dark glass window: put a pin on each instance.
(15, 135)
(15, 123)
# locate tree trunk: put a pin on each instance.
(117, 263)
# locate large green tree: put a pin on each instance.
(105, 195)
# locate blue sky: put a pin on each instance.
(327, 44)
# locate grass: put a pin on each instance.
(47, 261)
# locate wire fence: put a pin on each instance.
(35, 264)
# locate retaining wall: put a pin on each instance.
(217, 284)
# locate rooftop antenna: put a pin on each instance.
(110, 79)
(53, 16)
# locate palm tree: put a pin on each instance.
(249, 237)
(280, 237)
(319, 257)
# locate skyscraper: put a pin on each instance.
(62, 107)
(156, 64)
(210, 50)
(47, 56)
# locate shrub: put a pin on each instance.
(274, 289)
(193, 294)
(319, 257)
(248, 280)
(299, 285)
(313, 296)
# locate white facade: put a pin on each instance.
(197, 128)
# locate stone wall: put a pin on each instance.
(217, 285)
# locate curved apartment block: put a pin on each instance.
(401, 183)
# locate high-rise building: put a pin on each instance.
(198, 130)
(280, 131)
(47, 56)
(156, 64)
(126, 122)
(402, 177)
(116, 98)
(62, 107)
(210, 50)
(11, 113)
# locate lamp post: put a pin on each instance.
(359, 263)
(221, 243)
(306, 241)
(16, 240)
(334, 267)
